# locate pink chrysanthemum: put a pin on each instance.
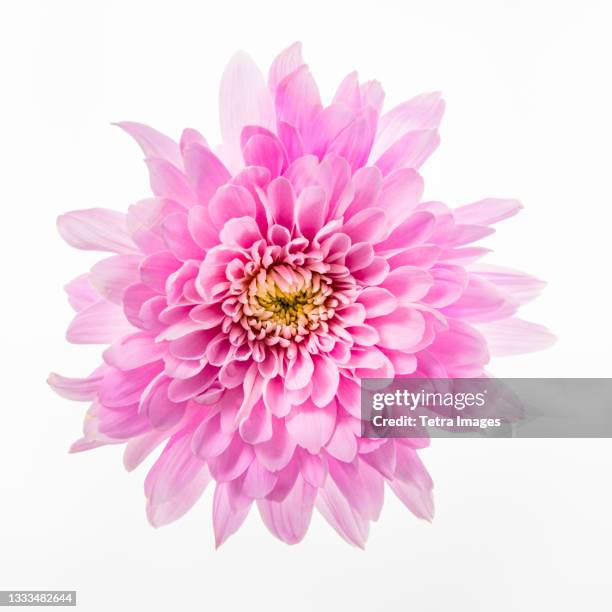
(249, 296)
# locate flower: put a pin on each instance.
(245, 301)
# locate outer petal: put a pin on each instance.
(289, 519)
(244, 99)
(96, 229)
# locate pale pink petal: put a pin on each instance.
(227, 519)
(310, 211)
(153, 143)
(81, 293)
(340, 515)
(134, 351)
(408, 283)
(276, 453)
(514, 336)
(78, 389)
(155, 405)
(230, 202)
(244, 99)
(175, 230)
(289, 519)
(265, 151)
(156, 268)
(100, 323)
(167, 181)
(96, 229)
(410, 151)
(311, 426)
(420, 113)
(205, 172)
(402, 329)
(111, 276)
(325, 380)
(285, 63)
(487, 212)
(297, 99)
(401, 192)
(414, 230)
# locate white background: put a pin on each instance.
(521, 525)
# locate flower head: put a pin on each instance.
(246, 299)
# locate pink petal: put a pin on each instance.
(410, 151)
(311, 211)
(96, 229)
(241, 232)
(157, 408)
(205, 172)
(244, 99)
(368, 225)
(414, 230)
(156, 268)
(284, 64)
(265, 151)
(367, 183)
(81, 293)
(276, 453)
(515, 336)
(487, 212)
(191, 136)
(134, 351)
(232, 462)
(226, 518)
(377, 301)
(325, 380)
(402, 329)
(311, 426)
(167, 181)
(175, 231)
(420, 113)
(340, 515)
(111, 276)
(78, 389)
(289, 519)
(355, 141)
(297, 99)
(100, 323)
(230, 202)
(258, 481)
(281, 202)
(300, 371)
(153, 143)
(209, 440)
(401, 192)
(408, 283)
